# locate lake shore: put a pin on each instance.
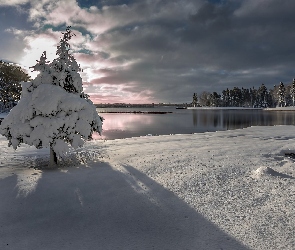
(246, 108)
(221, 190)
(136, 112)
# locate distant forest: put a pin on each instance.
(280, 96)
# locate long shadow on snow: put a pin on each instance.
(101, 208)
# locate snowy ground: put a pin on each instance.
(218, 190)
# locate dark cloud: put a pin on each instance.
(10, 45)
(213, 17)
(167, 50)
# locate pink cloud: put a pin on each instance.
(125, 93)
(96, 98)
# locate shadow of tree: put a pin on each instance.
(98, 207)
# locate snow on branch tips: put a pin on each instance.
(53, 110)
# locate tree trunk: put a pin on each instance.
(53, 158)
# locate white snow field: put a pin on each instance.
(217, 190)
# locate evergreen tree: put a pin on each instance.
(254, 97)
(288, 98)
(282, 95)
(53, 111)
(10, 88)
(246, 98)
(292, 92)
(215, 99)
(262, 96)
(236, 95)
(225, 98)
(195, 100)
(66, 65)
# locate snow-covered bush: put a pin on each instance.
(53, 111)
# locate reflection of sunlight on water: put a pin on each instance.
(122, 122)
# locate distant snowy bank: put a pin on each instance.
(225, 108)
(247, 108)
(281, 109)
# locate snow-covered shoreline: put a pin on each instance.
(246, 108)
(226, 108)
(281, 109)
(175, 192)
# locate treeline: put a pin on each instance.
(279, 96)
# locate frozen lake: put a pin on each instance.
(185, 121)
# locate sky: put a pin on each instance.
(151, 51)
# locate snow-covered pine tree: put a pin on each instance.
(66, 69)
(53, 111)
(262, 96)
(282, 95)
(292, 91)
(195, 100)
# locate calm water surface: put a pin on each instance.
(186, 121)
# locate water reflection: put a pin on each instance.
(232, 119)
(189, 121)
(116, 126)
